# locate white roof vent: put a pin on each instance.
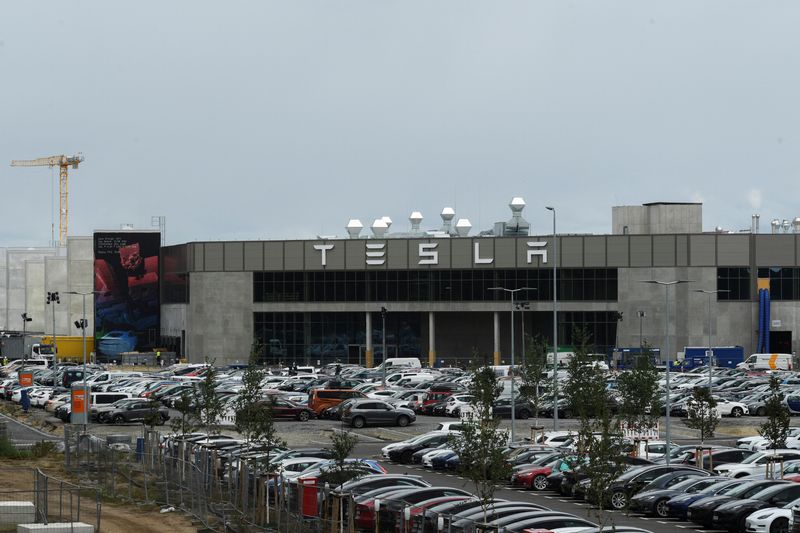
(416, 220)
(447, 219)
(388, 221)
(379, 228)
(796, 225)
(517, 204)
(517, 226)
(463, 226)
(354, 227)
(776, 225)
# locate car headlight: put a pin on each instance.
(762, 516)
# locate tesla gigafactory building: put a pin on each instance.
(325, 300)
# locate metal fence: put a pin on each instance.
(54, 500)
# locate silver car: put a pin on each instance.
(364, 412)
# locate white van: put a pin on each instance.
(400, 362)
(767, 361)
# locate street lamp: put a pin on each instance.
(383, 326)
(667, 285)
(513, 376)
(25, 320)
(555, 322)
(641, 315)
(522, 307)
(710, 354)
(82, 324)
(52, 298)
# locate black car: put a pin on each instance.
(522, 408)
(731, 516)
(368, 483)
(702, 511)
(654, 502)
(678, 506)
(632, 481)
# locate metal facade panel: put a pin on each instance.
(702, 250)
(413, 252)
(376, 246)
(617, 246)
(293, 255)
(536, 258)
(505, 253)
(733, 250)
(663, 250)
(641, 250)
(273, 255)
(775, 250)
(234, 256)
(571, 252)
(354, 258)
(214, 256)
(483, 252)
(198, 264)
(398, 254)
(594, 251)
(682, 250)
(334, 257)
(460, 253)
(254, 256)
(446, 252)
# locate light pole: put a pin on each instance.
(522, 307)
(555, 321)
(641, 315)
(667, 285)
(52, 298)
(513, 376)
(383, 326)
(710, 354)
(82, 324)
(25, 320)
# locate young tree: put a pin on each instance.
(702, 413)
(585, 382)
(247, 404)
(640, 402)
(209, 407)
(531, 373)
(342, 445)
(776, 428)
(480, 443)
(185, 423)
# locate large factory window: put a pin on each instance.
(784, 282)
(735, 280)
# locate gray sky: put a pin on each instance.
(254, 120)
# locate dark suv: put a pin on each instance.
(139, 412)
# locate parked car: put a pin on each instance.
(138, 412)
(732, 516)
(654, 501)
(287, 409)
(632, 481)
(374, 412)
(702, 511)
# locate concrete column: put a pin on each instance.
(496, 338)
(431, 339)
(368, 355)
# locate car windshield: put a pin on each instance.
(753, 458)
(686, 484)
(746, 488)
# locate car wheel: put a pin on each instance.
(779, 525)
(303, 416)
(119, 419)
(402, 421)
(736, 412)
(761, 411)
(539, 482)
(661, 509)
(358, 422)
(619, 500)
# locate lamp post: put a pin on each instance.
(52, 298)
(667, 285)
(25, 320)
(513, 377)
(710, 354)
(383, 342)
(522, 307)
(641, 315)
(82, 324)
(555, 321)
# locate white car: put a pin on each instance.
(726, 407)
(381, 394)
(760, 443)
(770, 519)
(298, 464)
(554, 438)
(455, 403)
(427, 459)
(755, 464)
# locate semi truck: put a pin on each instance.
(70, 348)
(726, 356)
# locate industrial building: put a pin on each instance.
(326, 299)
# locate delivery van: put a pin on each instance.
(767, 361)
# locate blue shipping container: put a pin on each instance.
(727, 356)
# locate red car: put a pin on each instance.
(418, 510)
(287, 409)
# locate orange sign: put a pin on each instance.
(79, 401)
(26, 379)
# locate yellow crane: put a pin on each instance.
(63, 162)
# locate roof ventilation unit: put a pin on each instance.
(776, 225)
(388, 221)
(379, 228)
(354, 227)
(796, 225)
(416, 220)
(447, 220)
(463, 226)
(517, 226)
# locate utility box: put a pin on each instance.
(80, 399)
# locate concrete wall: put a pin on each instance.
(17, 295)
(220, 317)
(655, 219)
(173, 319)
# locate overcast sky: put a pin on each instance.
(270, 120)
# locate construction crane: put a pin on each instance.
(63, 162)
